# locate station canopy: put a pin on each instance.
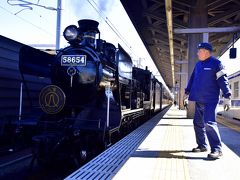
(154, 25)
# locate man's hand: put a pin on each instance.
(185, 96)
(226, 104)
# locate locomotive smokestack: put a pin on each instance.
(88, 28)
(86, 25)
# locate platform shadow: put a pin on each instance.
(165, 124)
(174, 118)
(165, 154)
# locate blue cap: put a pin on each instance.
(206, 46)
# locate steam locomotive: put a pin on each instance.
(95, 94)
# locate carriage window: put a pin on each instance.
(236, 88)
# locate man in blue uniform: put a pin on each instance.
(207, 78)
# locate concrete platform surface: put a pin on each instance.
(166, 154)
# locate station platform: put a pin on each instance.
(161, 149)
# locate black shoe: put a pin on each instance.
(199, 149)
(215, 155)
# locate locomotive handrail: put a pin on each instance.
(124, 112)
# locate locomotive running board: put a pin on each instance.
(125, 112)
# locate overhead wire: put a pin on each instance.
(111, 25)
(115, 30)
(28, 5)
(26, 21)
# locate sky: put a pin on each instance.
(231, 65)
(37, 25)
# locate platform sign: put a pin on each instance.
(73, 60)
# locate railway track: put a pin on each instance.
(17, 166)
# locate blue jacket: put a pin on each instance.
(207, 79)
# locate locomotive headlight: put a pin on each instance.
(71, 33)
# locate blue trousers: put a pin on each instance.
(205, 125)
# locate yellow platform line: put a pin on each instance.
(185, 163)
(222, 120)
(171, 163)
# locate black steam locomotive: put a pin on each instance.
(95, 94)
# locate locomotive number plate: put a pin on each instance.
(73, 60)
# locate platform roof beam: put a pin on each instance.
(168, 7)
(207, 30)
(149, 19)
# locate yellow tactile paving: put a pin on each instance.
(166, 155)
(168, 163)
(171, 164)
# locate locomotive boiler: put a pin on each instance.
(95, 94)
